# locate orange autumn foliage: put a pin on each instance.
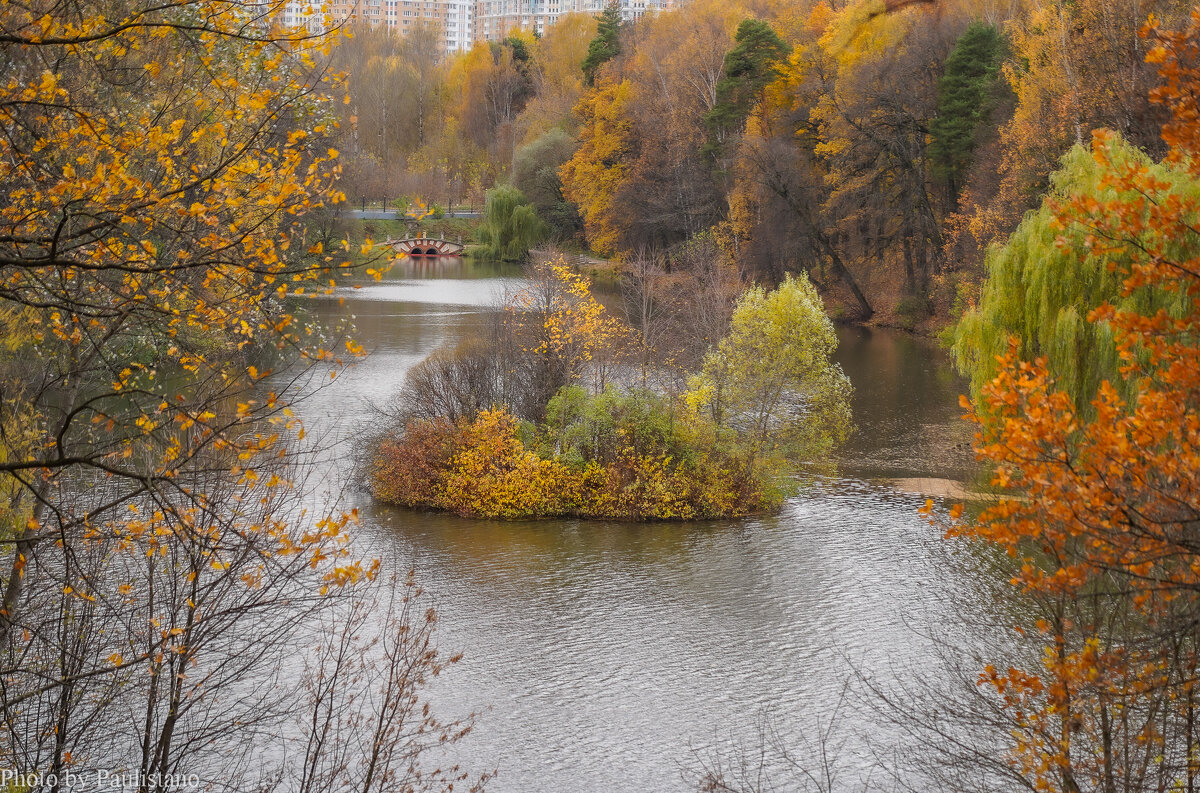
(599, 167)
(475, 468)
(1109, 506)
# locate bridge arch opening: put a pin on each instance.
(424, 246)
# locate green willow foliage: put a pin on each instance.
(1040, 291)
(510, 225)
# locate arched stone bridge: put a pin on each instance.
(427, 246)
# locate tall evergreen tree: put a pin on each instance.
(965, 97)
(749, 67)
(520, 51)
(605, 46)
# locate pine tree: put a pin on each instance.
(964, 100)
(606, 45)
(749, 68)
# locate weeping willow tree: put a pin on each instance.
(511, 225)
(1041, 291)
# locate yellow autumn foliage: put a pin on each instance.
(482, 469)
(595, 173)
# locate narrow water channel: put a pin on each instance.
(601, 655)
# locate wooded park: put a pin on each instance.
(666, 482)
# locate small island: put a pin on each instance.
(559, 409)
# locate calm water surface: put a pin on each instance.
(601, 655)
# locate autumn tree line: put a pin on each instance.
(882, 153)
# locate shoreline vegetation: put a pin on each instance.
(561, 410)
(182, 588)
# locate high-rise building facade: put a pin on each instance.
(495, 19)
(458, 24)
(462, 22)
(453, 18)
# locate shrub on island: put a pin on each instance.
(503, 427)
(608, 456)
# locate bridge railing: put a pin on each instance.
(385, 204)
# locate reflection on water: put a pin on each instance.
(599, 652)
(905, 407)
(442, 291)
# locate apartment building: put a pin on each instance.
(463, 22)
(454, 18)
(495, 19)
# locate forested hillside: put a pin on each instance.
(882, 153)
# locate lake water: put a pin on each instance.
(602, 656)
